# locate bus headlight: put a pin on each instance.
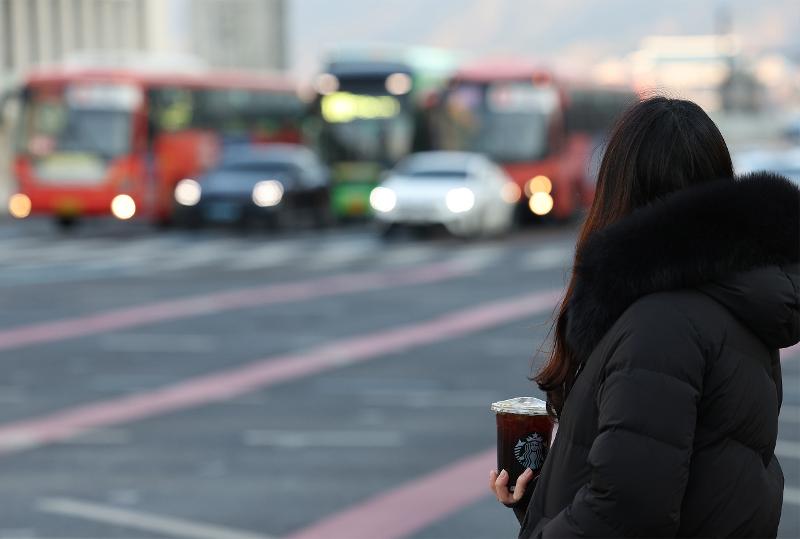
(382, 199)
(19, 206)
(538, 184)
(541, 203)
(398, 83)
(188, 192)
(123, 207)
(267, 193)
(460, 200)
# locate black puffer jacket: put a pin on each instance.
(670, 428)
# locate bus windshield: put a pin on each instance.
(365, 126)
(52, 123)
(507, 121)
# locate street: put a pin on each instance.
(309, 384)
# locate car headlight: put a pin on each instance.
(268, 193)
(123, 207)
(511, 193)
(541, 203)
(460, 200)
(382, 199)
(188, 192)
(19, 206)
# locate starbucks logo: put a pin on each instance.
(530, 451)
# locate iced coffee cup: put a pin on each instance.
(524, 431)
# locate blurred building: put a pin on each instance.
(35, 32)
(247, 34)
(242, 34)
(693, 67)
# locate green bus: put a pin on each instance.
(368, 112)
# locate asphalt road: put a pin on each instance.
(215, 385)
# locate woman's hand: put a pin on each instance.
(498, 484)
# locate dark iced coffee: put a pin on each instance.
(523, 436)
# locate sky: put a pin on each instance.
(576, 33)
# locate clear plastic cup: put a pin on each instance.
(524, 433)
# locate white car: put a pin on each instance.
(465, 192)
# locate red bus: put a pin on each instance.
(540, 129)
(98, 142)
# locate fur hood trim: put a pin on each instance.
(691, 237)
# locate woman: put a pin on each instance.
(665, 374)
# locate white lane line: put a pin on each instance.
(548, 257)
(787, 449)
(266, 256)
(204, 253)
(406, 255)
(791, 495)
(341, 253)
(478, 258)
(57, 252)
(129, 253)
(323, 439)
(173, 527)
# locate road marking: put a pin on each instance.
(334, 255)
(791, 495)
(266, 256)
(323, 439)
(412, 506)
(406, 255)
(193, 256)
(478, 258)
(219, 302)
(548, 257)
(173, 527)
(229, 383)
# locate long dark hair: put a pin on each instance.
(658, 146)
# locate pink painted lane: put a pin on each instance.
(416, 504)
(229, 383)
(412, 506)
(219, 302)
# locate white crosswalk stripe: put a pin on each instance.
(407, 255)
(56, 258)
(478, 257)
(199, 254)
(341, 253)
(548, 257)
(265, 256)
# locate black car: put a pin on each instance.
(276, 184)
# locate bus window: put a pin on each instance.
(171, 109)
(56, 121)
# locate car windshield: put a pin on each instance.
(51, 125)
(259, 166)
(509, 122)
(437, 174)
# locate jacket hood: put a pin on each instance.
(736, 240)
